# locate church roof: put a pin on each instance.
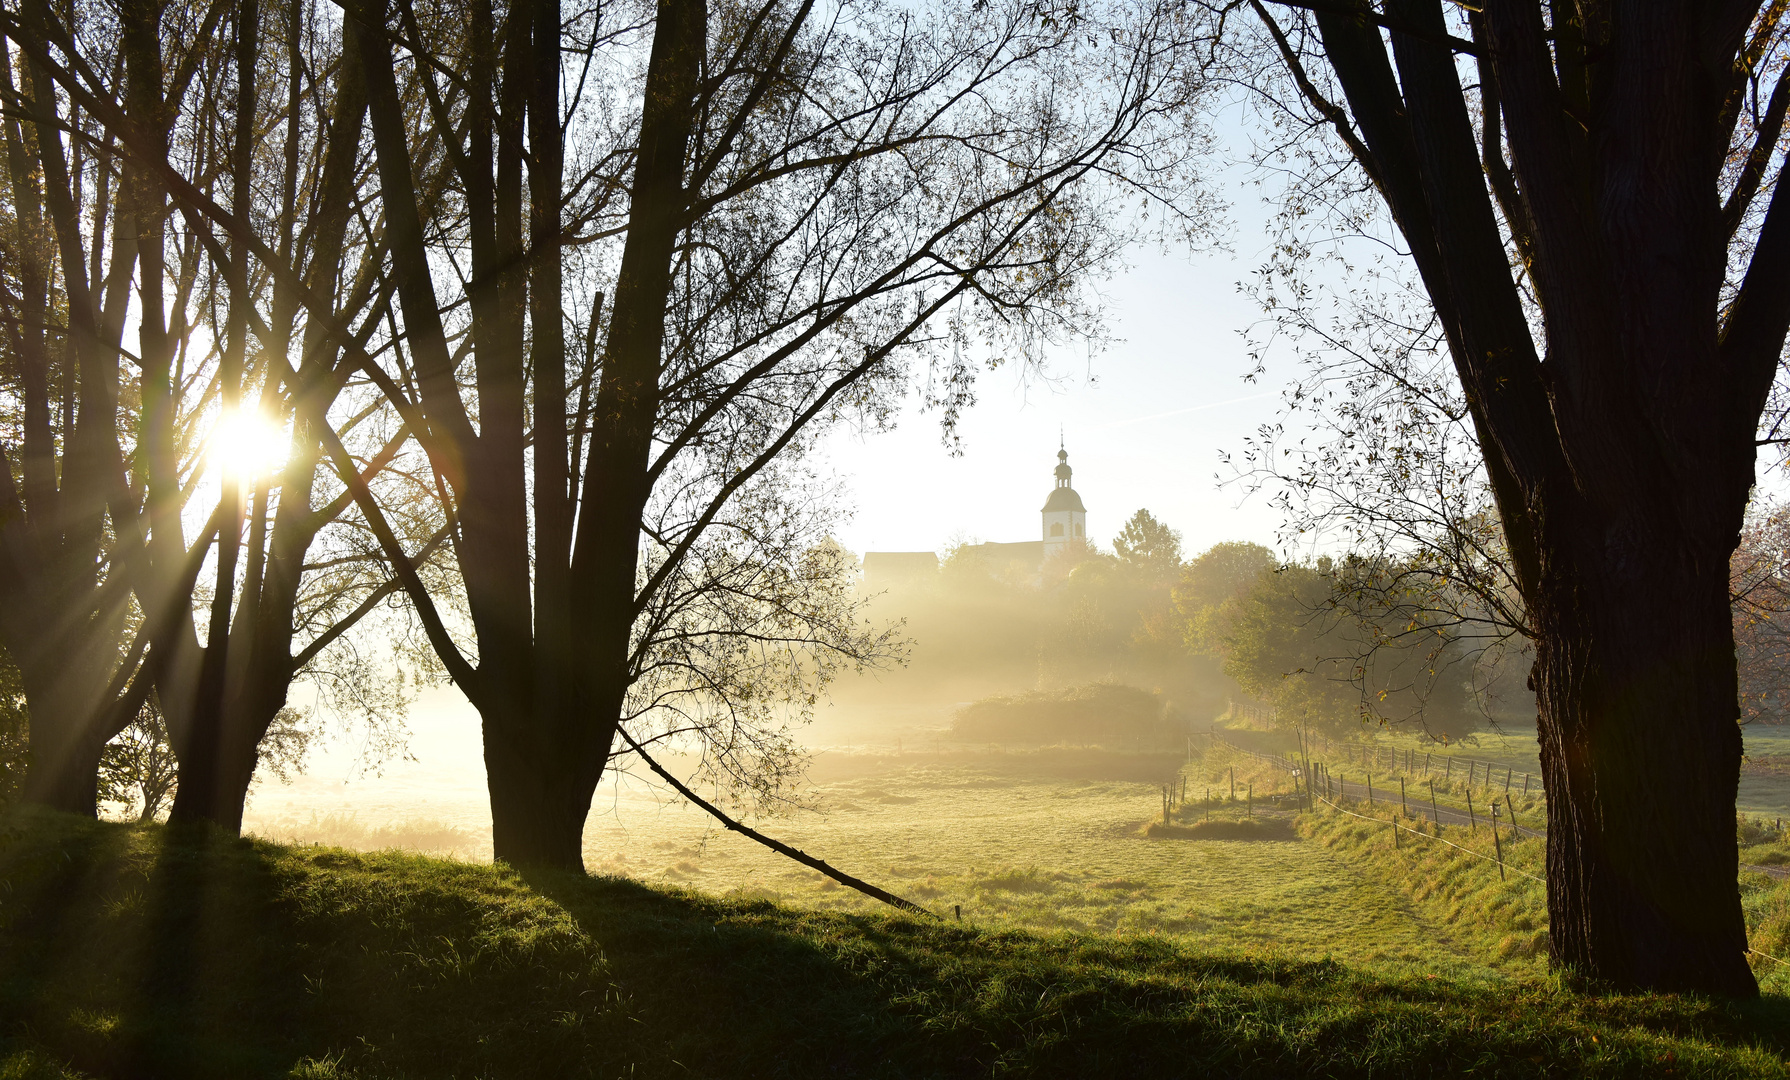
(1064, 498)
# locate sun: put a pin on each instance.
(247, 445)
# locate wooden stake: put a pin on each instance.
(1496, 846)
(1435, 814)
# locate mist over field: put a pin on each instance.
(957, 538)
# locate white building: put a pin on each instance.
(1065, 518)
(1065, 525)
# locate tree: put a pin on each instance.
(1290, 638)
(76, 510)
(1590, 204)
(1149, 547)
(275, 606)
(807, 208)
(1222, 572)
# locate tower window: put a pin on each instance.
(1078, 530)
(1057, 529)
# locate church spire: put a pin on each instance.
(1065, 519)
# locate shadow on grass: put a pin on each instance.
(145, 952)
(770, 991)
(139, 952)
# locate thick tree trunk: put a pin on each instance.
(540, 797)
(67, 734)
(218, 794)
(1641, 753)
(63, 772)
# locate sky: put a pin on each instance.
(1144, 421)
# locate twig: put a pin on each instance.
(778, 846)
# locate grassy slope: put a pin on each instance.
(1499, 919)
(139, 952)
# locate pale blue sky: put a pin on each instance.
(1144, 421)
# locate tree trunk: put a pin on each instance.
(67, 735)
(1641, 751)
(63, 773)
(539, 800)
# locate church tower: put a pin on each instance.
(1065, 519)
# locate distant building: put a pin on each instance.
(1065, 518)
(1065, 523)
(883, 569)
(1022, 558)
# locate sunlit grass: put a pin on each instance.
(1024, 852)
(421, 835)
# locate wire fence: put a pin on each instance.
(1324, 785)
(1425, 764)
(1337, 788)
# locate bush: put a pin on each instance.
(1094, 714)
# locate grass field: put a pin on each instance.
(137, 951)
(1017, 843)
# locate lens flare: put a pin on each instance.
(246, 446)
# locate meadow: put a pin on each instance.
(1059, 839)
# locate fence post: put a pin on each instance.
(1395, 844)
(1435, 814)
(1513, 817)
(1233, 783)
(1249, 794)
(1402, 805)
(1426, 763)
(1448, 772)
(1507, 769)
(1472, 822)
(1370, 789)
(1496, 846)
(1525, 785)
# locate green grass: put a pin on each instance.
(1502, 918)
(130, 951)
(1020, 851)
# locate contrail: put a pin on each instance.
(1183, 412)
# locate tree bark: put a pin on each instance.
(1640, 754)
